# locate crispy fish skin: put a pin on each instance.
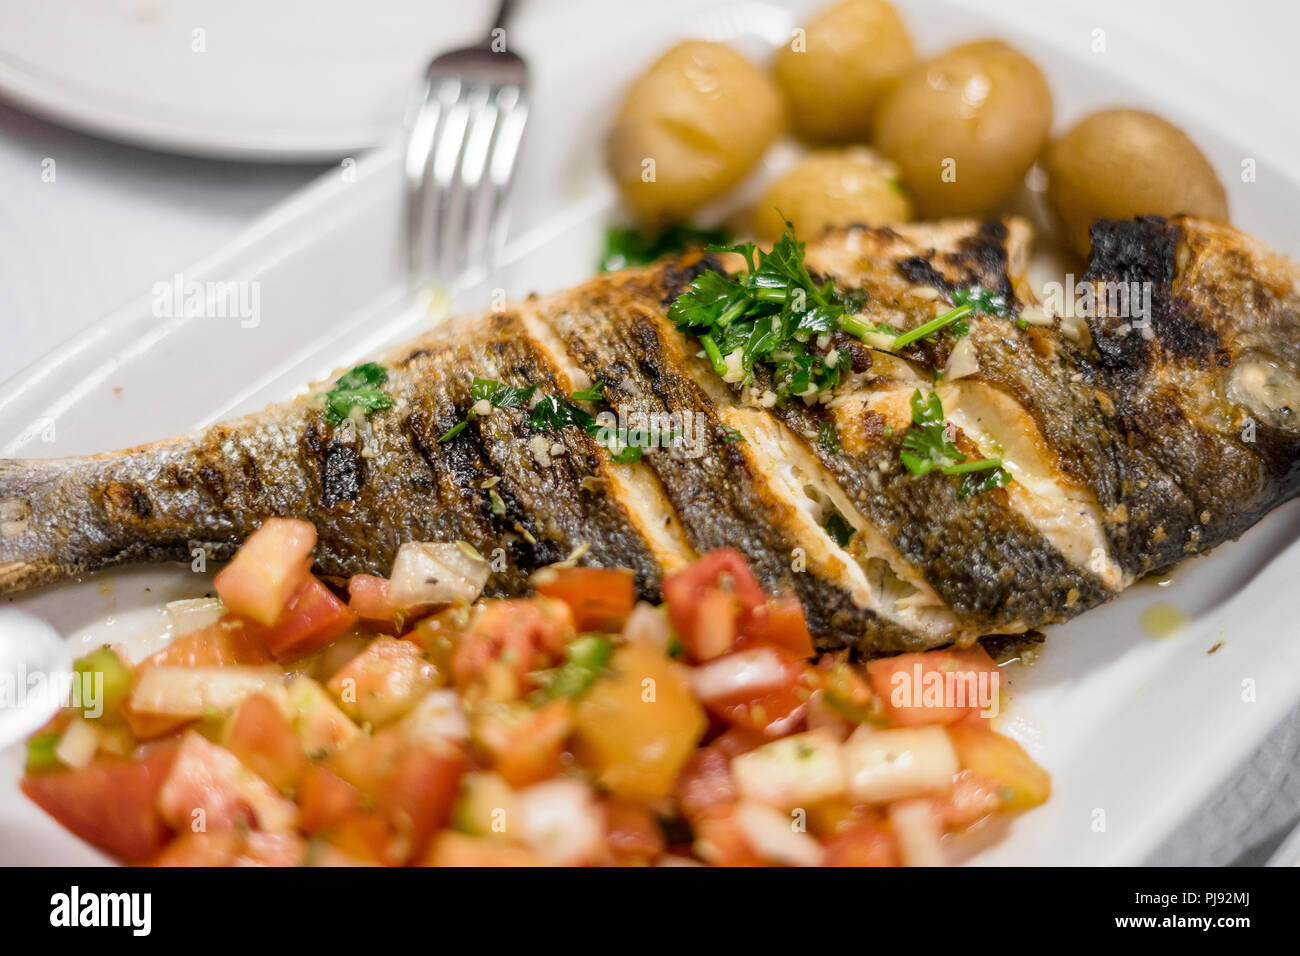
(366, 493)
(1164, 444)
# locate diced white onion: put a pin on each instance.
(562, 823)
(77, 746)
(438, 716)
(435, 572)
(791, 772)
(648, 623)
(196, 691)
(917, 830)
(884, 765)
(193, 614)
(772, 835)
(744, 671)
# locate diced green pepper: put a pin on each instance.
(40, 751)
(585, 658)
(97, 700)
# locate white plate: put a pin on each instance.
(1135, 731)
(280, 79)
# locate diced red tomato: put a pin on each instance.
(112, 802)
(706, 600)
(600, 598)
(412, 785)
(523, 635)
(267, 569)
(311, 619)
(384, 681)
(631, 832)
(324, 800)
(936, 687)
(209, 789)
(763, 688)
(217, 848)
(263, 739)
(864, 844)
(705, 785)
(525, 745)
(720, 840)
(368, 600)
(970, 798)
(224, 644)
(233, 848)
(364, 836)
(781, 621)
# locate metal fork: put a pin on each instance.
(462, 142)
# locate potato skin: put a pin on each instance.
(852, 52)
(705, 115)
(1116, 164)
(984, 106)
(832, 187)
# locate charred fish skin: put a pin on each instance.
(367, 490)
(1210, 387)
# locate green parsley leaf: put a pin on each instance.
(839, 529)
(499, 395)
(627, 248)
(926, 448)
(829, 437)
(730, 435)
(592, 394)
(358, 388)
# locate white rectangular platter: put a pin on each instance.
(1135, 731)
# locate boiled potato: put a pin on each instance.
(1122, 163)
(690, 129)
(833, 188)
(965, 127)
(834, 73)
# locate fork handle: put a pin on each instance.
(504, 9)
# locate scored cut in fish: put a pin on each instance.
(1134, 439)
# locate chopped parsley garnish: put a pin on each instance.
(592, 394)
(499, 395)
(965, 302)
(768, 315)
(730, 435)
(839, 529)
(625, 248)
(926, 448)
(829, 437)
(358, 388)
(549, 413)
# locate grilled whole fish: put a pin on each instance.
(1134, 441)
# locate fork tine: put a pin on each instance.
(479, 144)
(448, 150)
(512, 100)
(419, 153)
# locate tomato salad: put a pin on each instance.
(415, 724)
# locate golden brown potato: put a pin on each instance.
(833, 187)
(835, 72)
(1122, 163)
(690, 129)
(965, 127)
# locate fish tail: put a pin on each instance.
(64, 516)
